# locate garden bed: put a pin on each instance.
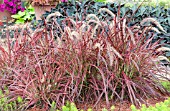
(87, 53)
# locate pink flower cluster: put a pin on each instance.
(12, 6)
(64, 0)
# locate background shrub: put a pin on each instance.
(134, 14)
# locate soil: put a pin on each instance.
(125, 106)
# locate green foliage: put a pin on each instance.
(166, 84)
(6, 105)
(53, 106)
(89, 109)
(22, 17)
(163, 3)
(19, 99)
(104, 109)
(162, 106)
(153, 3)
(112, 108)
(100, 0)
(69, 107)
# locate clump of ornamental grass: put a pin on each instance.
(89, 61)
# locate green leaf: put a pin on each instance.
(67, 103)
(53, 105)
(20, 21)
(32, 12)
(9, 106)
(3, 99)
(89, 109)
(1, 94)
(19, 99)
(27, 16)
(64, 108)
(104, 109)
(133, 108)
(73, 107)
(16, 16)
(112, 108)
(30, 7)
(21, 13)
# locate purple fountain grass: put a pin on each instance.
(86, 63)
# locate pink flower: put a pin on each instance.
(22, 9)
(11, 3)
(64, 0)
(2, 6)
(5, 1)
